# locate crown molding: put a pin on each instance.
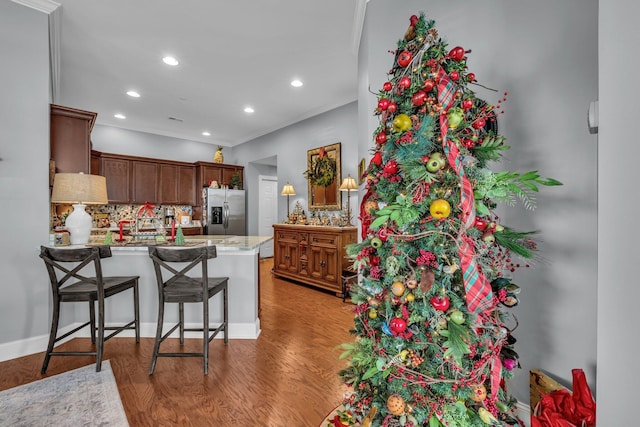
(46, 6)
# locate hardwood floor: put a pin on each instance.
(287, 377)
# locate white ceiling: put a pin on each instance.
(232, 54)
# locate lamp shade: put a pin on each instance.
(288, 190)
(79, 188)
(348, 184)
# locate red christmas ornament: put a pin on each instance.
(471, 77)
(468, 143)
(390, 168)
(398, 325)
(392, 107)
(383, 104)
(478, 123)
(429, 85)
(381, 138)
(419, 98)
(387, 86)
(440, 302)
(404, 58)
(480, 223)
(457, 53)
(377, 158)
(467, 103)
(454, 76)
(404, 82)
(383, 234)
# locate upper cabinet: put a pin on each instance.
(144, 182)
(70, 139)
(137, 180)
(177, 184)
(117, 172)
(222, 173)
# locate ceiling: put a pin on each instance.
(232, 54)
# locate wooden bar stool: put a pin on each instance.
(68, 263)
(180, 288)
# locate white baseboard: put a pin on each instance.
(25, 347)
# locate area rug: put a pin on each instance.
(82, 397)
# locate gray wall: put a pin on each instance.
(544, 54)
(111, 139)
(290, 145)
(24, 149)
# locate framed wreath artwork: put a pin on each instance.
(323, 177)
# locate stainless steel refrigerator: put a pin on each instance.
(224, 211)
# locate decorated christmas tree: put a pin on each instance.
(433, 334)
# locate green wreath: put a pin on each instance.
(322, 171)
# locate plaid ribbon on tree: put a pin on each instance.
(477, 287)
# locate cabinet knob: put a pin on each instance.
(322, 263)
(286, 257)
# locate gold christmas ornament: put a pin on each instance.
(396, 404)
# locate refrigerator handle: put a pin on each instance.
(225, 215)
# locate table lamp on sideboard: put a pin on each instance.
(349, 185)
(288, 190)
(79, 189)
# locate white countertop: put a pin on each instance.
(222, 243)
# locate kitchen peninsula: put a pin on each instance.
(237, 258)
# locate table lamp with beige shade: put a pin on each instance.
(288, 190)
(349, 185)
(79, 189)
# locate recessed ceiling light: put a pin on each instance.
(296, 83)
(205, 133)
(170, 60)
(248, 110)
(133, 94)
(120, 116)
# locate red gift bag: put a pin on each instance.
(562, 408)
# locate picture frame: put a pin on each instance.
(325, 197)
(361, 171)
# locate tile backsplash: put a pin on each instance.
(115, 213)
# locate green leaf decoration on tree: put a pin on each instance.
(456, 344)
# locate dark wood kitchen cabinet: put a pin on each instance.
(177, 184)
(117, 172)
(206, 172)
(70, 139)
(222, 173)
(144, 182)
(137, 180)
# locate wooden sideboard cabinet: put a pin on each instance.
(313, 255)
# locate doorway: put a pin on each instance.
(267, 211)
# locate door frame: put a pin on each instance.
(261, 179)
